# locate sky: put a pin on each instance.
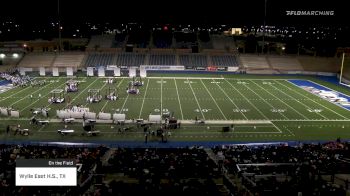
(179, 11)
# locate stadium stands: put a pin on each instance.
(37, 60)
(320, 64)
(99, 59)
(311, 169)
(224, 60)
(261, 169)
(198, 60)
(162, 59)
(254, 62)
(285, 63)
(130, 59)
(68, 60)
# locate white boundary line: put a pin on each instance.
(144, 96)
(313, 100)
(178, 97)
(231, 100)
(189, 83)
(247, 100)
(213, 99)
(280, 99)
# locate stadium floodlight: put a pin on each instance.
(15, 55)
(2, 56)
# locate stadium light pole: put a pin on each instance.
(59, 27)
(263, 44)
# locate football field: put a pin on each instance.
(254, 108)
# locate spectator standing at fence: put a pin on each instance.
(7, 129)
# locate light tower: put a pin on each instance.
(263, 44)
(59, 27)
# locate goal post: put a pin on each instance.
(344, 77)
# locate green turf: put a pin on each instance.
(260, 107)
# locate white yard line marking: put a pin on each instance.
(231, 100)
(289, 131)
(277, 128)
(82, 91)
(247, 100)
(281, 100)
(265, 101)
(311, 99)
(29, 95)
(105, 83)
(213, 99)
(39, 99)
(196, 99)
(121, 110)
(14, 93)
(297, 100)
(178, 97)
(144, 97)
(108, 100)
(41, 128)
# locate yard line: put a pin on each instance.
(144, 96)
(231, 100)
(213, 99)
(265, 101)
(196, 99)
(312, 100)
(178, 97)
(289, 131)
(280, 100)
(124, 103)
(161, 97)
(83, 91)
(298, 101)
(14, 93)
(108, 100)
(100, 93)
(39, 99)
(278, 128)
(247, 100)
(27, 96)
